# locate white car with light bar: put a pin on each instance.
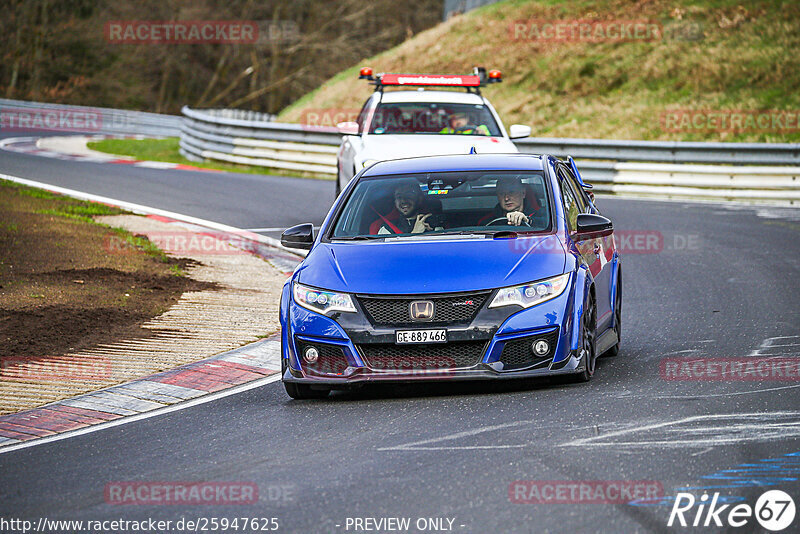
(395, 124)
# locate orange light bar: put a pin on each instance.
(365, 72)
(495, 75)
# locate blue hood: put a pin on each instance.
(407, 267)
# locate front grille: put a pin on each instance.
(454, 355)
(517, 353)
(331, 361)
(446, 308)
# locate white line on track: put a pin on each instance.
(731, 394)
(415, 446)
(712, 430)
(702, 452)
(146, 415)
(147, 210)
(137, 208)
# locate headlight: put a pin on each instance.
(322, 301)
(368, 162)
(528, 295)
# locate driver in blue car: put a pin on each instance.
(514, 203)
(408, 215)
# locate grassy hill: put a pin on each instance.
(716, 55)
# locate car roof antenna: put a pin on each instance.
(473, 151)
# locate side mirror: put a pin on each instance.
(300, 236)
(592, 225)
(517, 131)
(347, 128)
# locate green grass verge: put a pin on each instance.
(167, 150)
(714, 56)
(84, 211)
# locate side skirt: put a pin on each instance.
(606, 340)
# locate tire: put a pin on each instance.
(588, 338)
(338, 187)
(613, 351)
(304, 392)
(301, 391)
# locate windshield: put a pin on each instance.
(445, 203)
(433, 118)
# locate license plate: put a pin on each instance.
(421, 336)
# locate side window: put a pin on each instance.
(580, 194)
(571, 207)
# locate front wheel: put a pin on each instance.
(304, 392)
(588, 332)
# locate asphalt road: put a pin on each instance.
(241, 200)
(723, 283)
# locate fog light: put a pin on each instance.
(540, 347)
(311, 355)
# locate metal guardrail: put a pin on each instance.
(666, 151)
(210, 134)
(27, 117)
(749, 171)
(776, 184)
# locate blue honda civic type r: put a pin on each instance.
(452, 268)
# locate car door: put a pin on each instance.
(596, 251)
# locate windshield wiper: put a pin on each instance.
(493, 233)
(504, 234)
(357, 237)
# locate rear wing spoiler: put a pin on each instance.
(586, 187)
(577, 174)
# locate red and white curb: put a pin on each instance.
(32, 146)
(253, 365)
(222, 375)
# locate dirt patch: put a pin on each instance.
(63, 288)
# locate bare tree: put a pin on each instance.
(57, 51)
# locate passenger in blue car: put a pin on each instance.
(516, 204)
(407, 216)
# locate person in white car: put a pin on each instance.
(459, 124)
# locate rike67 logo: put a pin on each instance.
(774, 511)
